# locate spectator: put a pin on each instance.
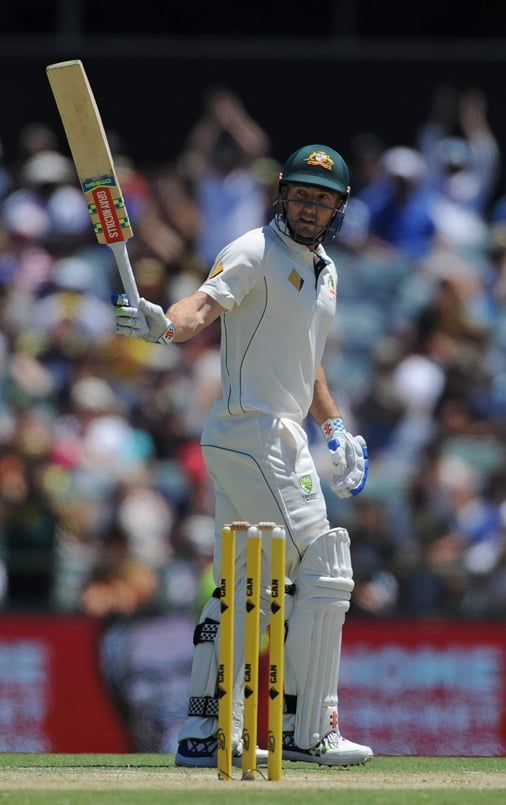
(221, 156)
(49, 197)
(167, 225)
(460, 148)
(400, 205)
(463, 162)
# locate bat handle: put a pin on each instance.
(127, 275)
(125, 271)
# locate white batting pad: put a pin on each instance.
(203, 677)
(313, 643)
(205, 673)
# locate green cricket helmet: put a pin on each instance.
(317, 165)
(320, 166)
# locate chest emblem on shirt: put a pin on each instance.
(306, 484)
(217, 269)
(296, 280)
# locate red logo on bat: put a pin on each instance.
(108, 215)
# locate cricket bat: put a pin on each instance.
(94, 164)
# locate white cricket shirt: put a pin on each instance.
(279, 313)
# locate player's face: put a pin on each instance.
(309, 209)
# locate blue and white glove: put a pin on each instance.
(148, 321)
(350, 459)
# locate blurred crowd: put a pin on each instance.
(105, 504)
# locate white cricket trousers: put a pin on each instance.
(262, 470)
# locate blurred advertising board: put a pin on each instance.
(407, 687)
(425, 687)
(52, 695)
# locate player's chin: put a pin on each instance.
(308, 231)
(308, 234)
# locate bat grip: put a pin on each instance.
(125, 271)
(127, 276)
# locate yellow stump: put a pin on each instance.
(226, 653)
(251, 651)
(276, 656)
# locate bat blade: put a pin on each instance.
(94, 164)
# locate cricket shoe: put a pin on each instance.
(332, 750)
(202, 753)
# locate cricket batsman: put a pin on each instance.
(275, 289)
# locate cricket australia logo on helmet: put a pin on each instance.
(320, 158)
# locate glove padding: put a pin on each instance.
(133, 321)
(351, 465)
(350, 459)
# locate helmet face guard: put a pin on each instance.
(319, 166)
(326, 233)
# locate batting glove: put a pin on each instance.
(350, 459)
(148, 321)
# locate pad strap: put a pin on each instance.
(203, 706)
(205, 632)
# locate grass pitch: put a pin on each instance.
(39, 779)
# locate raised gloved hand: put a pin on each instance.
(148, 321)
(350, 459)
